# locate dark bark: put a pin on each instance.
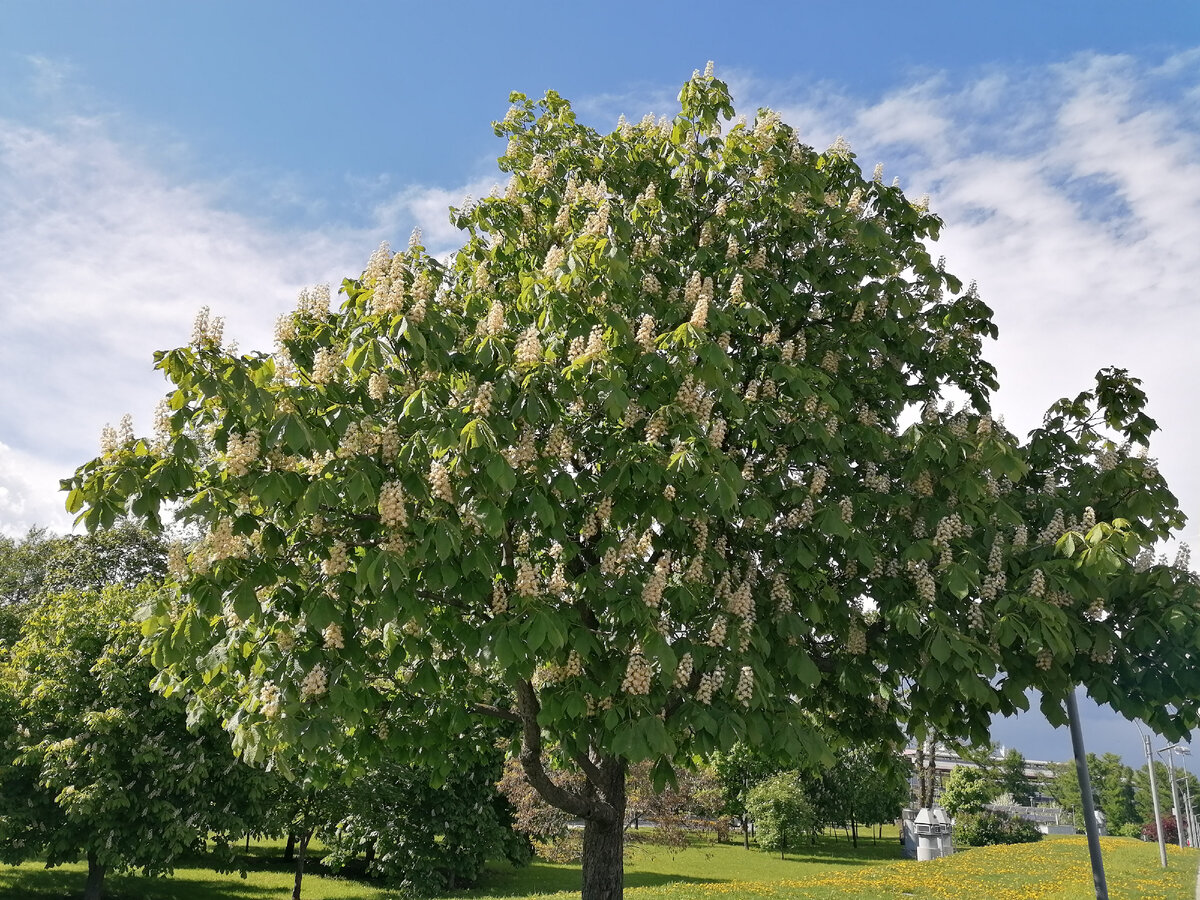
(369, 856)
(94, 889)
(301, 849)
(854, 831)
(601, 804)
(289, 852)
(603, 860)
(745, 830)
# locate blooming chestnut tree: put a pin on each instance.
(634, 470)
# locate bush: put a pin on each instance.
(1131, 829)
(1170, 831)
(988, 828)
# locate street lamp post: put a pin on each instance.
(1158, 822)
(1170, 751)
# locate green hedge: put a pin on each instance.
(987, 828)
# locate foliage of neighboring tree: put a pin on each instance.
(739, 769)
(989, 827)
(1114, 789)
(635, 453)
(1011, 778)
(967, 789)
(691, 804)
(426, 836)
(865, 785)
(95, 765)
(784, 819)
(1142, 800)
(42, 563)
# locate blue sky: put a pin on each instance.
(158, 157)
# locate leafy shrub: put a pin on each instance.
(987, 828)
(1131, 829)
(1170, 830)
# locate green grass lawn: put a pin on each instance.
(1055, 869)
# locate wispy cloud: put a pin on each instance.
(105, 257)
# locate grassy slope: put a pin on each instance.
(1056, 869)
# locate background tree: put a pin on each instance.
(967, 790)
(635, 453)
(1143, 803)
(95, 764)
(739, 769)
(42, 563)
(1011, 778)
(783, 817)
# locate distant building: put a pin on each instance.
(945, 762)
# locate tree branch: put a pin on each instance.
(530, 758)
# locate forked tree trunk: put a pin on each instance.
(94, 889)
(289, 852)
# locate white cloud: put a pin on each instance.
(105, 257)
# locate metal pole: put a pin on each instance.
(1158, 823)
(1174, 792)
(1189, 813)
(1089, 806)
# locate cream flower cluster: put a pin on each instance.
(529, 348)
(710, 683)
(338, 560)
(645, 334)
(652, 591)
(207, 331)
(332, 637)
(1054, 529)
(177, 565)
(499, 599)
(555, 257)
(716, 433)
(494, 323)
(1045, 659)
(717, 633)
(240, 452)
(846, 509)
(637, 675)
(313, 303)
(326, 365)
(780, 595)
(526, 585)
(377, 386)
(745, 686)
(975, 618)
(683, 672)
(482, 405)
(439, 482)
(918, 570)
(315, 683)
(1037, 584)
(269, 697)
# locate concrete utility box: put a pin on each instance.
(928, 831)
(945, 833)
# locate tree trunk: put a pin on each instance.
(854, 831)
(289, 852)
(369, 856)
(603, 861)
(94, 889)
(301, 849)
(745, 830)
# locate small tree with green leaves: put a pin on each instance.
(624, 468)
(967, 790)
(95, 765)
(784, 819)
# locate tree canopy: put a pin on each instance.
(655, 462)
(95, 765)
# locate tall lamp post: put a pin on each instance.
(1158, 822)
(1171, 751)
